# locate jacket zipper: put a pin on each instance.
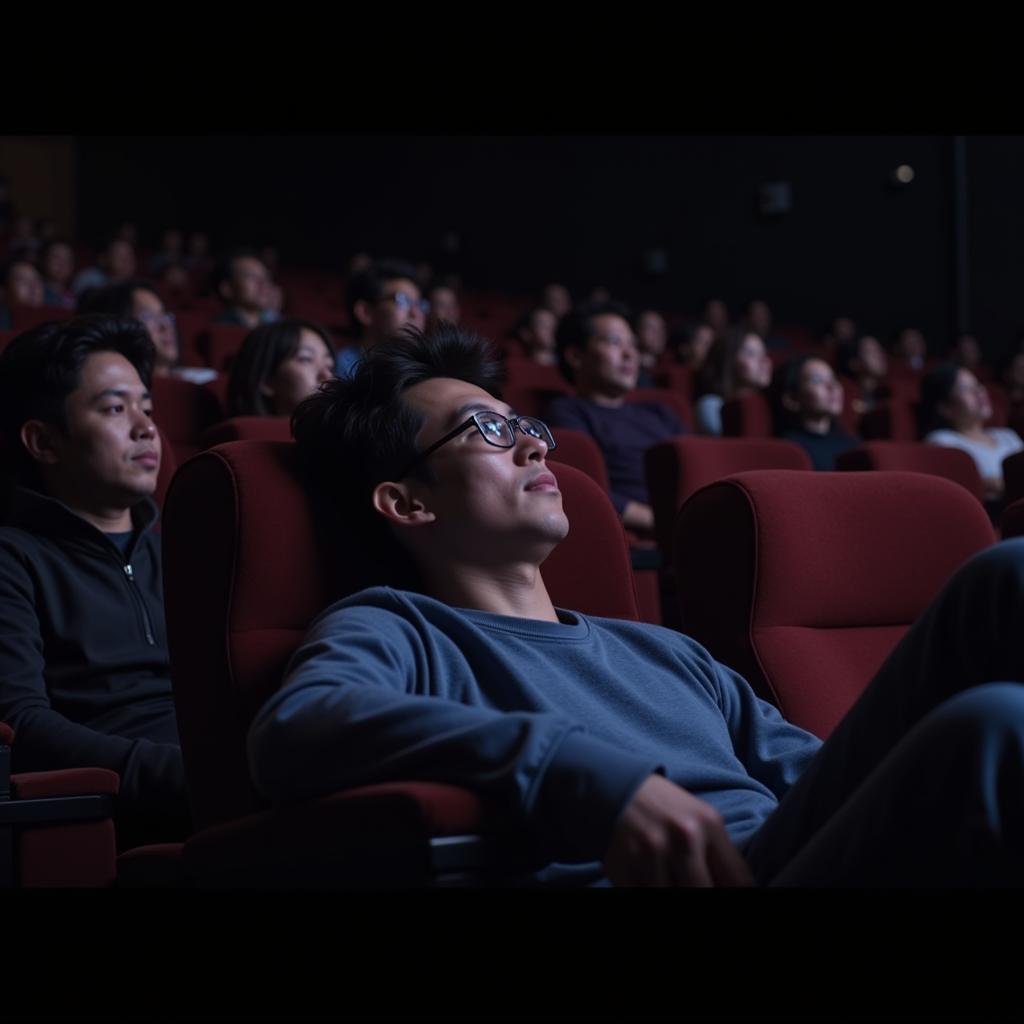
(146, 623)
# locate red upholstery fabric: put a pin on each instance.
(64, 782)
(222, 342)
(803, 582)
(529, 386)
(675, 378)
(243, 578)
(747, 415)
(25, 317)
(1013, 477)
(893, 420)
(578, 449)
(675, 401)
(1012, 522)
(248, 428)
(917, 457)
(168, 464)
(156, 866)
(80, 855)
(680, 467)
(6, 734)
(184, 411)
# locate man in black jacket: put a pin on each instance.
(84, 673)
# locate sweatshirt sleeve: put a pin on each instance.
(362, 703)
(774, 751)
(152, 776)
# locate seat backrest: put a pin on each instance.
(804, 582)
(914, 457)
(681, 466)
(530, 386)
(222, 342)
(1011, 523)
(578, 449)
(747, 415)
(892, 420)
(1013, 477)
(248, 428)
(184, 411)
(244, 576)
(675, 401)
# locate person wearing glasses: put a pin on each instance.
(245, 285)
(597, 352)
(382, 297)
(140, 299)
(617, 750)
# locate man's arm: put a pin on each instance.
(152, 776)
(368, 699)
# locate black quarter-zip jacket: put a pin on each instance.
(84, 669)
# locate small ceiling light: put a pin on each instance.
(904, 174)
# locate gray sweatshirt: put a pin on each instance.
(557, 724)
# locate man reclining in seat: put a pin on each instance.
(84, 673)
(624, 751)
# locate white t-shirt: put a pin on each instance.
(988, 458)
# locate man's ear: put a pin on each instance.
(40, 441)
(363, 311)
(399, 505)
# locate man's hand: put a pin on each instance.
(667, 836)
(638, 516)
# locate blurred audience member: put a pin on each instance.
(809, 401)
(864, 361)
(244, 284)
(758, 318)
(57, 263)
(651, 342)
(536, 331)
(737, 363)
(444, 305)
(716, 315)
(556, 297)
(909, 350)
(170, 253)
(691, 344)
(20, 285)
(116, 264)
(954, 409)
(278, 366)
(382, 299)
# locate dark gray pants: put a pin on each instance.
(922, 783)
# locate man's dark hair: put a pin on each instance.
(355, 433)
(368, 284)
(262, 352)
(42, 366)
(577, 326)
(114, 299)
(786, 381)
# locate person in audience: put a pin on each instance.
(444, 305)
(278, 366)
(556, 297)
(966, 352)
(20, 285)
(382, 298)
(863, 360)
(615, 751)
(841, 332)
(954, 409)
(141, 300)
(244, 284)
(57, 264)
(597, 353)
(809, 402)
(536, 332)
(909, 351)
(651, 342)
(171, 252)
(691, 344)
(757, 318)
(84, 670)
(737, 364)
(116, 264)
(715, 314)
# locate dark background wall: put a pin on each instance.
(590, 210)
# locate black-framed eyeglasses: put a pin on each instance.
(404, 303)
(495, 429)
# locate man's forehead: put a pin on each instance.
(108, 371)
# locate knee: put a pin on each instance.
(983, 712)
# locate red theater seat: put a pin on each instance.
(679, 467)
(248, 428)
(916, 457)
(1012, 522)
(244, 575)
(804, 582)
(184, 411)
(748, 415)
